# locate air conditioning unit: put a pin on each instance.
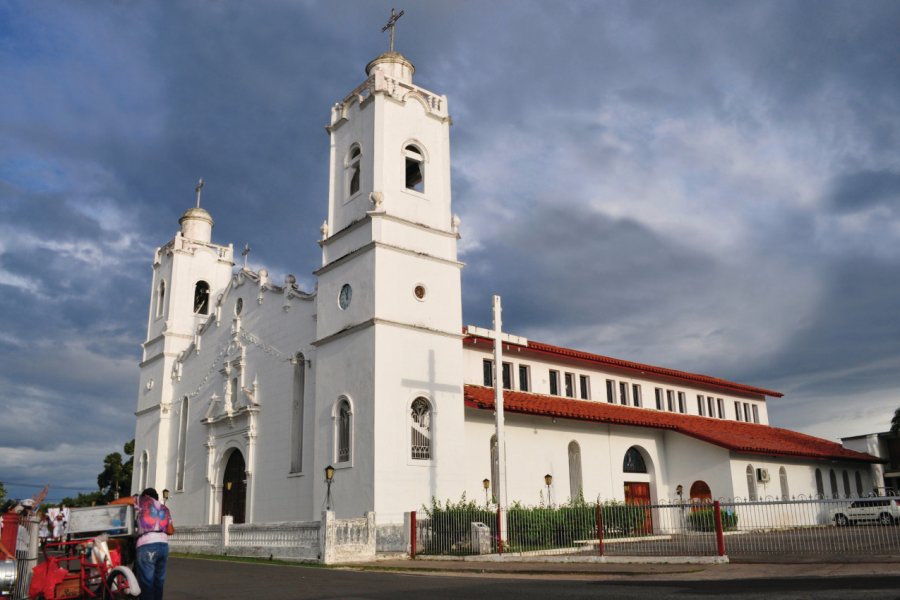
(762, 475)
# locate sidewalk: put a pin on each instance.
(649, 571)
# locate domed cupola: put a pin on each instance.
(196, 223)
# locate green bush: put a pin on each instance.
(704, 519)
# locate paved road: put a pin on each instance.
(195, 579)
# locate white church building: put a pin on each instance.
(250, 387)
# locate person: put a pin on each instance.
(154, 525)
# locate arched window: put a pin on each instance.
(634, 462)
(182, 444)
(832, 476)
(201, 298)
(161, 298)
(751, 483)
(344, 431)
(297, 413)
(415, 168)
(785, 491)
(820, 485)
(420, 429)
(576, 490)
(353, 170)
(495, 467)
(846, 478)
(859, 485)
(144, 468)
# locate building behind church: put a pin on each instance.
(250, 387)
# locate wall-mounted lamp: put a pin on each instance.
(548, 479)
(487, 485)
(165, 496)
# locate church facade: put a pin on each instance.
(250, 387)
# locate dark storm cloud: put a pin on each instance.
(670, 182)
(862, 190)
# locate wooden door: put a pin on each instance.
(638, 493)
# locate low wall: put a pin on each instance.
(327, 541)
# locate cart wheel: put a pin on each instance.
(116, 586)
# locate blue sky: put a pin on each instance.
(701, 185)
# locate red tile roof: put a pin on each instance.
(737, 436)
(639, 368)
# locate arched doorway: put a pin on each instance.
(637, 491)
(234, 487)
(700, 493)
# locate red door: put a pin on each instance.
(639, 493)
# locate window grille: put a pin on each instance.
(420, 434)
(344, 421)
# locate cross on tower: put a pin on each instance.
(197, 189)
(392, 23)
(245, 252)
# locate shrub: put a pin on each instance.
(704, 519)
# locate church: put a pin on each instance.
(250, 387)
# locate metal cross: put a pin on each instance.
(391, 24)
(197, 189)
(244, 253)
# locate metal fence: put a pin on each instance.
(813, 527)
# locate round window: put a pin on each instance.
(345, 296)
(419, 292)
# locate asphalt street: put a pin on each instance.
(197, 579)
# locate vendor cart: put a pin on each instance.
(92, 563)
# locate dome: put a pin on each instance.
(393, 64)
(196, 224)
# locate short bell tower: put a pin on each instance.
(189, 273)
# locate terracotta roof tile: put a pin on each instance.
(737, 436)
(598, 359)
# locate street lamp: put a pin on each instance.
(329, 477)
(548, 479)
(487, 485)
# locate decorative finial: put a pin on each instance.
(391, 24)
(245, 252)
(324, 229)
(197, 189)
(376, 198)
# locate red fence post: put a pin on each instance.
(599, 530)
(720, 536)
(412, 534)
(499, 534)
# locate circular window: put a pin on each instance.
(238, 306)
(419, 292)
(345, 296)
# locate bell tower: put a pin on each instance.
(189, 273)
(389, 313)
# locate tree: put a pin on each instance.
(115, 479)
(895, 422)
(2, 494)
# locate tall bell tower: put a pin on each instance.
(189, 273)
(389, 366)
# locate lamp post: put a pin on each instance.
(487, 485)
(548, 479)
(329, 477)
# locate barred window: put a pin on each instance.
(344, 431)
(420, 429)
(576, 491)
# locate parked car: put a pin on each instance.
(884, 511)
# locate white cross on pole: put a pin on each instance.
(498, 412)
